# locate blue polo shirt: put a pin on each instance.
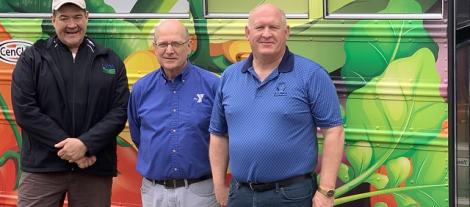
(271, 125)
(169, 123)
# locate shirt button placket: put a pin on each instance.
(173, 129)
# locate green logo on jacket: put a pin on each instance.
(109, 69)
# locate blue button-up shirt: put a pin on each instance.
(169, 123)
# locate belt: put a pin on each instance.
(176, 183)
(260, 187)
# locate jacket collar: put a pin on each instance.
(87, 42)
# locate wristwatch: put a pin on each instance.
(326, 192)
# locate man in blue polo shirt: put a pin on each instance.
(169, 113)
(264, 122)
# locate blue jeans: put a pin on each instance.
(299, 194)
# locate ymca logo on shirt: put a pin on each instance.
(199, 97)
(280, 89)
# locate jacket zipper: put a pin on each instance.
(73, 95)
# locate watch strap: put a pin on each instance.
(326, 192)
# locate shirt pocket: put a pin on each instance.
(199, 114)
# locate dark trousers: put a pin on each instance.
(50, 189)
(298, 194)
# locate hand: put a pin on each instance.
(221, 194)
(71, 149)
(85, 161)
(320, 200)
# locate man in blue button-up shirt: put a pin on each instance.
(169, 113)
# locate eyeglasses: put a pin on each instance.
(174, 44)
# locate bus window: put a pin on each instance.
(373, 9)
(463, 13)
(101, 9)
(241, 8)
(462, 123)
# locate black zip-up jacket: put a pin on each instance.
(56, 96)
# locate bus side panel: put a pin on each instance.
(391, 77)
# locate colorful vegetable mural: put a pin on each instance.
(391, 77)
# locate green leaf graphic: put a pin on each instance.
(403, 200)
(398, 102)
(359, 156)
(328, 54)
(379, 181)
(131, 38)
(429, 167)
(382, 42)
(375, 6)
(402, 107)
(397, 171)
(343, 173)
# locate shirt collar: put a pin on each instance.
(286, 65)
(181, 77)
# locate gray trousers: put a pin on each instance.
(50, 189)
(200, 194)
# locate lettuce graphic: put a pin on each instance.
(374, 6)
(429, 168)
(372, 45)
(127, 42)
(379, 181)
(359, 156)
(390, 111)
(398, 170)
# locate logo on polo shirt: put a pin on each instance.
(280, 89)
(109, 69)
(199, 97)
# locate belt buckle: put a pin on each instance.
(251, 186)
(258, 187)
(168, 183)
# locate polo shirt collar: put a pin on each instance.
(286, 65)
(181, 77)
